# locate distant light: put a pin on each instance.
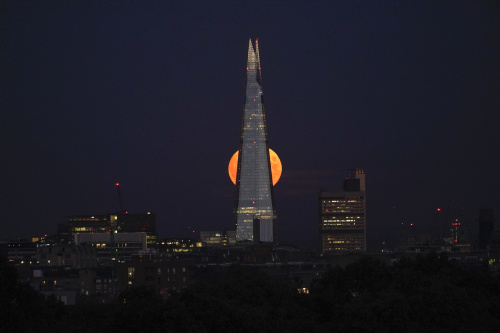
(439, 209)
(117, 184)
(253, 202)
(254, 99)
(411, 224)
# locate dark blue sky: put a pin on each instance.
(151, 93)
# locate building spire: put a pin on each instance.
(257, 57)
(257, 61)
(251, 56)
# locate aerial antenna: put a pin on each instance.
(120, 200)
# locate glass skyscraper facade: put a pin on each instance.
(342, 217)
(255, 211)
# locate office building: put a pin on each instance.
(255, 204)
(342, 217)
(113, 246)
(120, 222)
(76, 256)
(218, 238)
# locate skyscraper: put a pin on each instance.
(342, 217)
(255, 210)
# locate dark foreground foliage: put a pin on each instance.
(426, 294)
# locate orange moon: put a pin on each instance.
(276, 166)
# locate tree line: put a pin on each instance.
(424, 294)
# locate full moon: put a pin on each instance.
(276, 166)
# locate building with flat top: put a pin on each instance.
(342, 217)
(255, 211)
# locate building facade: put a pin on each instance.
(342, 217)
(218, 238)
(114, 246)
(254, 177)
(120, 222)
(156, 272)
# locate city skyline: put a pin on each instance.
(150, 95)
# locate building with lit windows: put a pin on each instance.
(156, 272)
(120, 223)
(218, 238)
(113, 246)
(342, 217)
(255, 205)
(76, 256)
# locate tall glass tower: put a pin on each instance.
(255, 211)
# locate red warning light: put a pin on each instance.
(439, 209)
(254, 99)
(117, 184)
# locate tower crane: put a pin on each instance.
(120, 199)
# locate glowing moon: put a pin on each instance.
(276, 166)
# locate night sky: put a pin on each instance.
(151, 93)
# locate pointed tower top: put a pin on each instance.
(257, 52)
(251, 55)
